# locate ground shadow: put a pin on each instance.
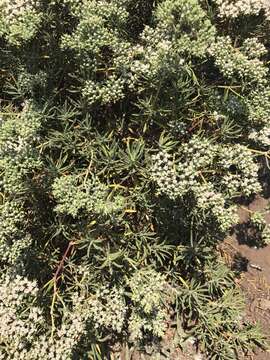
(239, 263)
(264, 177)
(248, 234)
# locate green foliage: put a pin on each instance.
(217, 305)
(128, 132)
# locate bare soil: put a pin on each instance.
(242, 251)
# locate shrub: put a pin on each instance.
(128, 132)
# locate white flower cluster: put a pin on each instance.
(13, 239)
(163, 174)
(180, 20)
(16, 291)
(81, 42)
(175, 179)
(20, 319)
(109, 91)
(178, 128)
(88, 41)
(70, 195)
(140, 325)
(238, 173)
(18, 134)
(14, 9)
(91, 196)
(199, 152)
(20, 20)
(67, 336)
(157, 53)
(27, 82)
(149, 59)
(234, 62)
(24, 333)
(241, 169)
(253, 48)
(108, 310)
(147, 293)
(110, 11)
(214, 204)
(163, 47)
(232, 168)
(261, 137)
(258, 105)
(236, 8)
(266, 235)
(149, 297)
(257, 219)
(16, 148)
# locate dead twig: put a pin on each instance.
(55, 280)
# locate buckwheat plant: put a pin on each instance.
(129, 130)
(20, 317)
(19, 132)
(257, 219)
(149, 295)
(266, 235)
(108, 92)
(185, 17)
(14, 239)
(253, 48)
(164, 174)
(236, 8)
(233, 62)
(241, 171)
(261, 137)
(90, 196)
(214, 204)
(108, 310)
(20, 19)
(258, 105)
